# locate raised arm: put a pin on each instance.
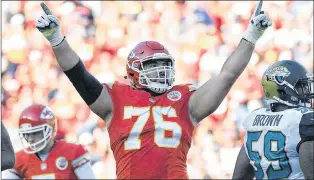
(209, 96)
(90, 89)
(7, 151)
(243, 169)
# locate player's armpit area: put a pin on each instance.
(306, 159)
(243, 169)
(103, 105)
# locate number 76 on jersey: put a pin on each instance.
(156, 113)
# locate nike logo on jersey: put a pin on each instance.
(267, 120)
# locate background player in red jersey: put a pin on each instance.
(42, 157)
(150, 122)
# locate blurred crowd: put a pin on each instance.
(200, 35)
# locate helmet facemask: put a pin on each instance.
(300, 94)
(35, 147)
(305, 91)
(155, 76)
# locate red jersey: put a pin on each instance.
(150, 136)
(61, 162)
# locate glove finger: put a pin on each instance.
(46, 18)
(40, 20)
(43, 20)
(269, 23)
(45, 8)
(258, 8)
(40, 24)
(53, 19)
(258, 19)
(266, 21)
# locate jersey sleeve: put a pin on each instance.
(18, 166)
(117, 91)
(16, 171)
(85, 171)
(306, 128)
(11, 174)
(80, 157)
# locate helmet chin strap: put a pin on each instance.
(285, 102)
(292, 105)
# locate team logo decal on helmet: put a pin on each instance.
(131, 55)
(61, 163)
(277, 74)
(46, 114)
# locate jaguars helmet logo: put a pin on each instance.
(277, 74)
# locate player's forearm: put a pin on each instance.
(209, 96)
(306, 159)
(85, 83)
(237, 61)
(65, 55)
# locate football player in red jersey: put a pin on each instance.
(150, 123)
(43, 157)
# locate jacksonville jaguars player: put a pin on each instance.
(278, 140)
